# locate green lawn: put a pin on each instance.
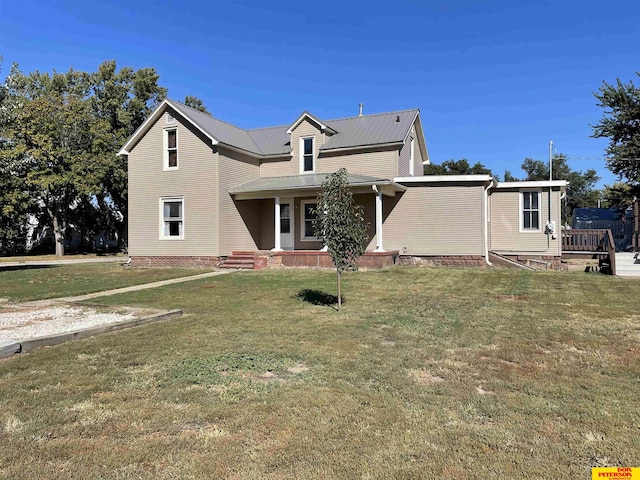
(19, 284)
(426, 373)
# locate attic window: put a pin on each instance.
(170, 118)
(171, 149)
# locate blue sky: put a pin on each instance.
(494, 80)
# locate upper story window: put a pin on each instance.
(530, 211)
(171, 149)
(172, 214)
(307, 162)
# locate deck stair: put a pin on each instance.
(627, 264)
(239, 260)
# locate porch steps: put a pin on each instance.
(239, 260)
(627, 265)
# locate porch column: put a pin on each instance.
(277, 247)
(379, 246)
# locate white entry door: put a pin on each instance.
(286, 223)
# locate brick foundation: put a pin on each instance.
(318, 259)
(176, 261)
(443, 260)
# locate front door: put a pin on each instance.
(286, 223)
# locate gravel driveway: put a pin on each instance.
(19, 324)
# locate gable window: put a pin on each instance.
(308, 216)
(306, 155)
(172, 214)
(530, 211)
(171, 149)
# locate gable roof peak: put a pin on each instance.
(322, 124)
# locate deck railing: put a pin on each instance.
(584, 240)
(599, 242)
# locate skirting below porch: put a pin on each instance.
(175, 261)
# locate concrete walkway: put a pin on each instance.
(133, 288)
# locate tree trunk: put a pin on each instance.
(58, 235)
(339, 298)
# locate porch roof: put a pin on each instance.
(269, 186)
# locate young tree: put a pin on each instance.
(340, 224)
(620, 123)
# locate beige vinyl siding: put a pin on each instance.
(433, 219)
(195, 180)
(267, 224)
(375, 163)
(505, 215)
(239, 225)
(405, 155)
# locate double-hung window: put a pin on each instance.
(306, 155)
(172, 214)
(308, 216)
(530, 211)
(171, 149)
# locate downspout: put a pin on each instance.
(485, 200)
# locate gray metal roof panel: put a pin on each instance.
(376, 129)
(271, 141)
(222, 131)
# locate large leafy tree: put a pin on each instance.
(68, 128)
(581, 191)
(340, 224)
(52, 130)
(124, 99)
(457, 167)
(620, 123)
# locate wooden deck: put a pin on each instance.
(592, 242)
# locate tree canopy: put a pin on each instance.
(195, 102)
(620, 123)
(457, 167)
(65, 129)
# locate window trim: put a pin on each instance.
(412, 158)
(521, 211)
(303, 220)
(165, 150)
(313, 154)
(163, 200)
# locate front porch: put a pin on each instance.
(279, 214)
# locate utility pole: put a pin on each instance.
(550, 160)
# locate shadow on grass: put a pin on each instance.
(316, 297)
(12, 268)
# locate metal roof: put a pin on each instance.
(377, 129)
(306, 182)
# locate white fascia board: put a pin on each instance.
(444, 178)
(411, 125)
(157, 113)
(533, 184)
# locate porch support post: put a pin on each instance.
(277, 247)
(379, 246)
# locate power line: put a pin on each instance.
(626, 159)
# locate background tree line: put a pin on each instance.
(59, 138)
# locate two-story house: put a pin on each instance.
(201, 189)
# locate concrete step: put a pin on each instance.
(239, 266)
